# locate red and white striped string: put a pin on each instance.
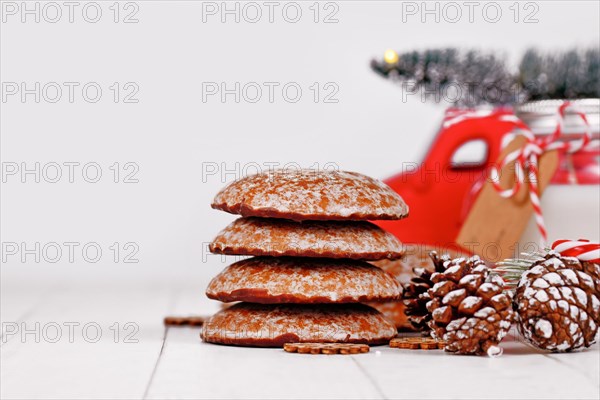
(526, 159)
(582, 249)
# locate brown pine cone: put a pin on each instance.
(470, 310)
(557, 303)
(415, 296)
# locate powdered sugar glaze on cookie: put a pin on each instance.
(360, 240)
(266, 325)
(303, 280)
(311, 195)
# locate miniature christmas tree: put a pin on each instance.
(486, 78)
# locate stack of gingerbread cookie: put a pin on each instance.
(310, 237)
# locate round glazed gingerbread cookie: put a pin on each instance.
(311, 195)
(303, 280)
(255, 236)
(266, 325)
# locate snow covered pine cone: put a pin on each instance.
(469, 309)
(415, 296)
(557, 303)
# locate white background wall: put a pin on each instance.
(171, 132)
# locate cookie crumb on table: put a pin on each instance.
(326, 348)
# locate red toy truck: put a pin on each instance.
(441, 189)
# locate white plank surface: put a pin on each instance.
(190, 369)
(39, 368)
(187, 368)
(521, 372)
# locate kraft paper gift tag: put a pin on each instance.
(495, 224)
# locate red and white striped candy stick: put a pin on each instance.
(582, 249)
(526, 160)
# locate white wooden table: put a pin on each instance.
(174, 363)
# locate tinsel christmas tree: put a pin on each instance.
(486, 78)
